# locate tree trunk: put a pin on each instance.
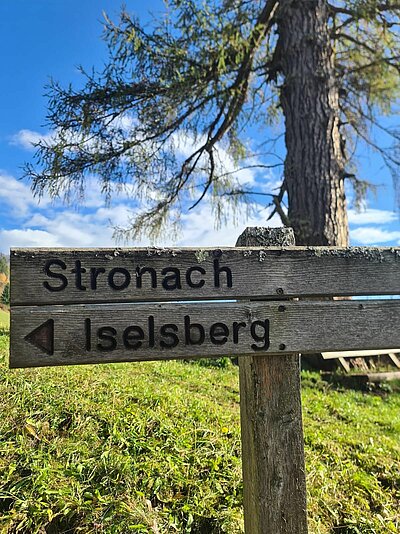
(314, 167)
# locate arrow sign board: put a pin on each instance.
(63, 335)
(81, 306)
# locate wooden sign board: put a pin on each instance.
(57, 319)
(64, 335)
(58, 276)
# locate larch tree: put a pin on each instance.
(205, 75)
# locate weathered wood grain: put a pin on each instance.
(274, 484)
(196, 274)
(293, 326)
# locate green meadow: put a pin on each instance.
(4, 319)
(155, 448)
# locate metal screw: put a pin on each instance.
(282, 346)
(280, 291)
(281, 308)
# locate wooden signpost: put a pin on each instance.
(109, 305)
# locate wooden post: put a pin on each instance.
(271, 426)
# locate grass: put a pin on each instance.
(4, 319)
(155, 447)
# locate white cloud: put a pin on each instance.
(28, 138)
(38, 220)
(186, 144)
(18, 195)
(371, 236)
(73, 229)
(94, 228)
(115, 215)
(26, 238)
(249, 176)
(92, 196)
(70, 228)
(372, 216)
(126, 122)
(21, 202)
(199, 227)
(52, 224)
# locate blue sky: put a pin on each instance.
(49, 38)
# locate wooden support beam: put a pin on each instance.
(394, 359)
(358, 353)
(271, 425)
(344, 364)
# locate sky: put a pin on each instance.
(45, 39)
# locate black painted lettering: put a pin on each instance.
(140, 271)
(94, 273)
(107, 333)
(133, 337)
(59, 276)
(165, 331)
(236, 328)
(151, 331)
(218, 270)
(88, 335)
(78, 271)
(194, 332)
(216, 331)
(171, 281)
(264, 337)
(123, 272)
(192, 283)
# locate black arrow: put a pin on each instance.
(43, 337)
